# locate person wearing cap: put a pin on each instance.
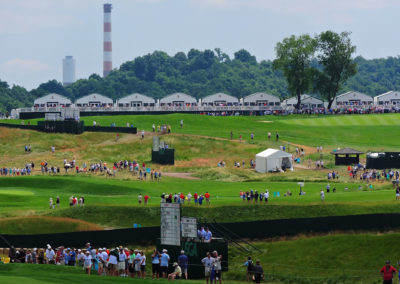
(183, 263)
(164, 263)
(72, 257)
(177, 274)
(258, 272)
(87, 262)
(208, 263)
(100, 261)
(34, 256)
(104, 257)
(388, 272)
(50, 255)
(137, 260)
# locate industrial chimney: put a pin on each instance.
(107, 45)
(68, 70)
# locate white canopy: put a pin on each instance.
(273, 160)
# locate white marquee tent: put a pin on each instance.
(273, 160)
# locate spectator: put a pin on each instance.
(249, 264)
(207, 236)
(258, 272)
(183, 263)
(387, 273)
(217, 267)
(87, 263)
(164, 263)
(155, 264)
(176, 274)
(208, 263)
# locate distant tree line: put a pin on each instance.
(201, 73)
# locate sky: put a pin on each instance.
(35, 35)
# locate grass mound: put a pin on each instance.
(44, 225)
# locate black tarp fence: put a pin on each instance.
(251, 230)
(115, 129)
(73, 127)
(386, 160)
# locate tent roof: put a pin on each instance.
(273, 152)
(347, 151)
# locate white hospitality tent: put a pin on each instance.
(271, 160)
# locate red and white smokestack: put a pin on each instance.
(107, 45)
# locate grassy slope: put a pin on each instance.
(42, 224)
(330, 131)
(358, 255)
(29, 195)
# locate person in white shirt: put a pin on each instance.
(100, 261)
(113, 262)
(208, 263)
(143, 264)
(138, 260)
(87, 262)
(50, 255)
(121, 262)
(189, 197)
(322, 193)
(266, 196)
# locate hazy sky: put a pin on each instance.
(36, 34)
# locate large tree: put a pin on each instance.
(334, 55)
(293, 57)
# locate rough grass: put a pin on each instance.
(335, 258)
(44, 224)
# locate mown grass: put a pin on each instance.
(362, 131)
(113, 203)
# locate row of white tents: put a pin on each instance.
(176, 99)
(351, 98)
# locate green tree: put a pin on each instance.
(293, 57)
(334, 55)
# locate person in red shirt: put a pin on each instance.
(146, 198)
(182, 197)
(387, 273)
(207, 196)
(195, 196)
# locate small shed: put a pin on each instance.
(346, 156)
(219, 99)
(261, 99)
(94, 100)
(273, 160)
(136, 100)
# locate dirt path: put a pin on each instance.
(307, 149)
(181, 175)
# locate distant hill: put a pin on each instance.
(200, 73)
